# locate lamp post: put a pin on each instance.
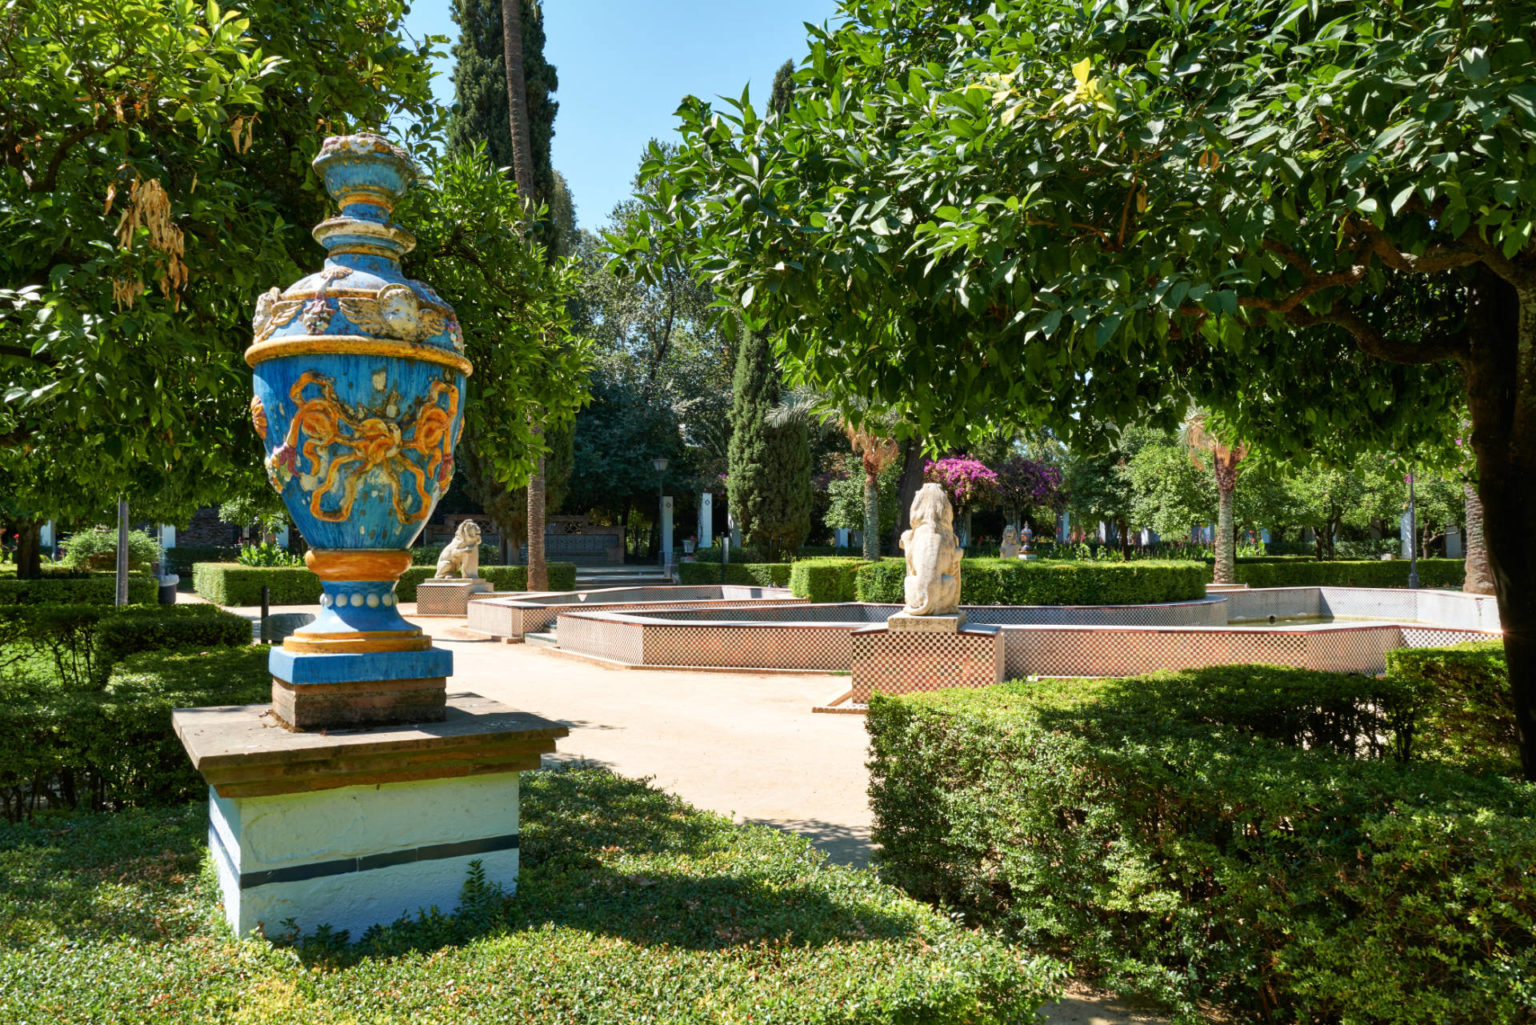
(660, 463)
(1413, 540)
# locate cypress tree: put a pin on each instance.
(480, 89)
(783, 88)
(770, 466)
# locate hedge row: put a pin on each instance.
(1293, 572)
(81, 644)
(87, 589)
(825, 580)
(1038, 582)
(1242, 835)
(630, 907)
(181, 558)
(232, 584)
(114, 747)
(1467, 712)
(759, 574)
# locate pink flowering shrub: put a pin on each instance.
(1024, 484)
(969, 482)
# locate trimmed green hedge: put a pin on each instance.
(1467, 710)
(1242, 835)
(745, 555)
(824, 580)
(82, 643)
(1293, 572)
(181, 558)
(752, 574)
(1038, 582)
(231, 584)
(87, 589)
(114, 747)
(630, 907)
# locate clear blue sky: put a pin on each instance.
(624, 66)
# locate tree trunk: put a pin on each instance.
(1479, 578)
(29, 550)
(872, 516)
(1500, 373)
(911, 481)
(517, 96)
(538, 571)
(1226, 537)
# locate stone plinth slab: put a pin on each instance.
(244, 751)
(899, 662)
(354, 829)
(448, 597)
(905, 622)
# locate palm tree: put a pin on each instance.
(1479, 578)
(870, 435)
(522, 172)
(1198, 436)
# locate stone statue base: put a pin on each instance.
(448, 597)
(894, 660)
(357, 828)
(905, 622)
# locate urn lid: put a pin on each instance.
(361, 292)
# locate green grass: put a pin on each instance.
(631, 907)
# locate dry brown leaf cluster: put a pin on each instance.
(149, 207)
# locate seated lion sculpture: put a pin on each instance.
(933, 556)
(462, 554)
(1009, 549)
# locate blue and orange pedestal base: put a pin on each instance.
(360, 663)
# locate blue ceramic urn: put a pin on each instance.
(359, 385)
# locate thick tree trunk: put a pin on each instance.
(1226, 537)
(29, 550)
(911, 480)
(517, 96)
(538, 571)
(872, 516)
(1500, 373)
(1479, 578)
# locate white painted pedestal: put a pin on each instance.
(356, 828)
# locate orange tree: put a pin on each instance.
(1055, 213)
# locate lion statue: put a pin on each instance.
(462, 554)
(1009, 549)
(933, 557)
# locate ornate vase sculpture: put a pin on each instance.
(359, 379)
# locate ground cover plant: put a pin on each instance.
(1258, 837)
(630, 907)
(1041, 582)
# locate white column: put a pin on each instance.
(282, 536)
(1453, 549)
(1063, 527)
(167, 536)
(666, 531)
(1407, 535)
(706, 520)
(45, 537)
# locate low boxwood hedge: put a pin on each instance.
(1041, 582)
(230, 584)
(1243, 835)
(1467, 711)
(1293, 572)
(82, 643)
(114, 747)
(77, 588)
(181, 558)
(759, 574)
(630, 907)
(825, 579)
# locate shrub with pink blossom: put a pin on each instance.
(969, 482)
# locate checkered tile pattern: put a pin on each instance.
(449, 599)
(900, 662)
(602, 637)
(513, 619)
